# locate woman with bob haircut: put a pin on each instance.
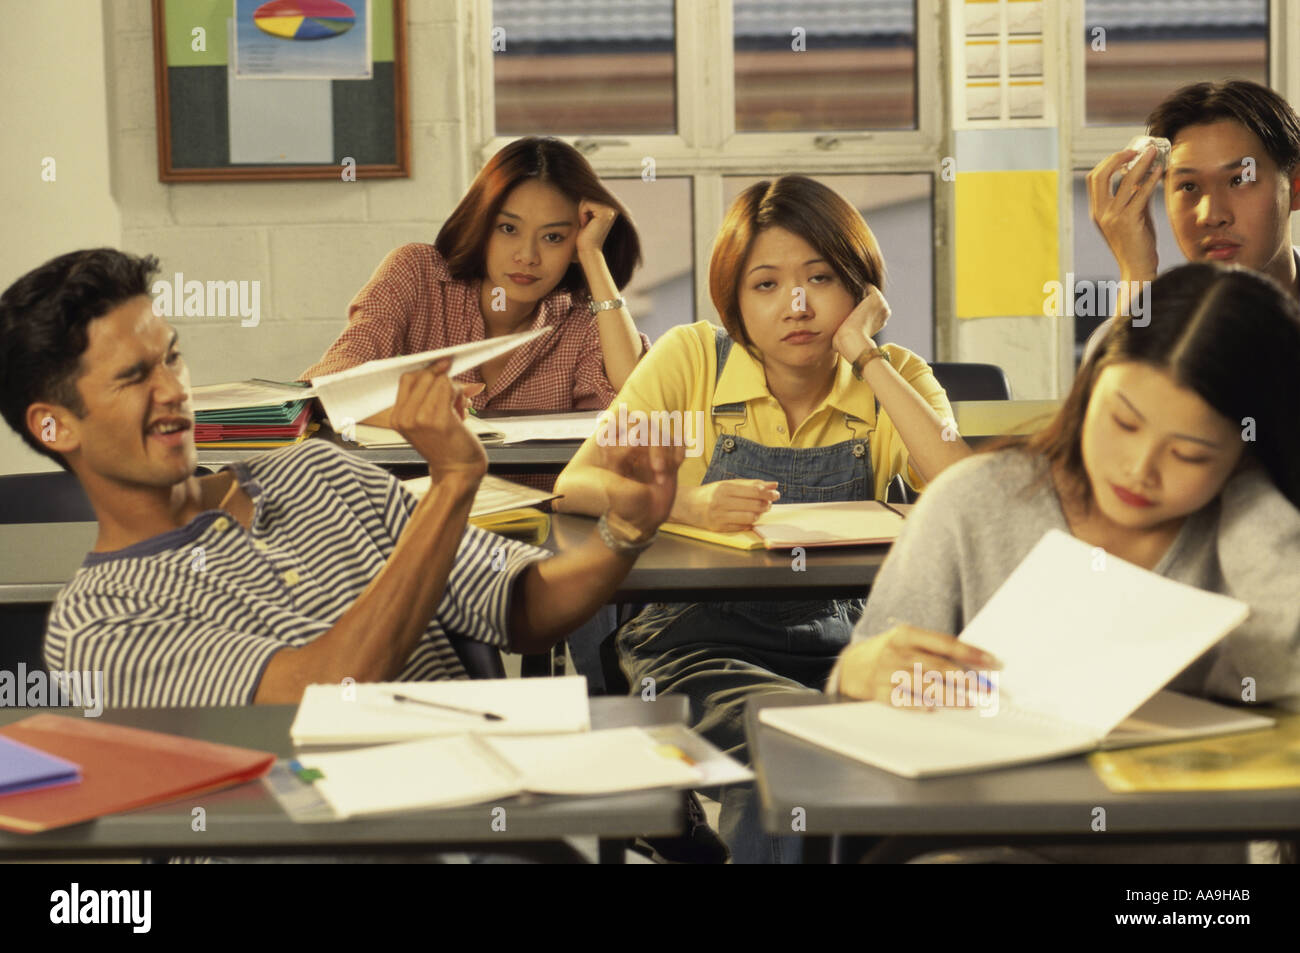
(1176, 450)
(794, 402)
(537, 241)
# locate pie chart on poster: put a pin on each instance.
(304, 19)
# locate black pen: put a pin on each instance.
(464, 711)
(891, 509)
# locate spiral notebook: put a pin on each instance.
(1085, 643)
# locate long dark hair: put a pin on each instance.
(463, 238)
(1227, 333)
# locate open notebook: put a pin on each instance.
(1085, 642)
(786, 525)
(471, 769)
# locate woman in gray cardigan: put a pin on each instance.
(1177, 450)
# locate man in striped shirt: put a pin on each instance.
(299, 566)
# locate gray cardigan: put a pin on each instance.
(981, 517)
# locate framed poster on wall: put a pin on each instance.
(254, 90)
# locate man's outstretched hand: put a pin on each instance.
(642, 483)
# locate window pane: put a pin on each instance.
(1093, 260)
(825, 64)
(584, 67)
(661, 293)
(898, 210)
(1144, 51)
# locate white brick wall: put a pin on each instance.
(312, 244)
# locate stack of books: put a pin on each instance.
(251, 415)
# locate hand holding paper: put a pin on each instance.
(358, 393)
(430, 414)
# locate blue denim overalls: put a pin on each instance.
(722, 653)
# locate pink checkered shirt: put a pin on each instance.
(412, 304)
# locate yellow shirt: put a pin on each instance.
(679, 375)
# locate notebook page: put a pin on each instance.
(441, 772)
(918, 744)
(828, 524)
(367, 714)
(596, 762)
(1086, 637)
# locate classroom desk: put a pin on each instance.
(37, 560)
(247, 820)
(977, 420)
(1051, 801)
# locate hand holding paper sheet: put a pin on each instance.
(1083, 644)
(360, 392)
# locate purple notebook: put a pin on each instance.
(27, 769)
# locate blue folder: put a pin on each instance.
(27, 769)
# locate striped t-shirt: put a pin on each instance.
(192, 616)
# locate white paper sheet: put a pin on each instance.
(351, 396)
(366, 713)
(1087, 638)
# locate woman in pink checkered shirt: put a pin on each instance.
(537, 241)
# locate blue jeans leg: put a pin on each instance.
(741, 826)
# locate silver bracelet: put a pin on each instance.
(613, 304)
(619, 545)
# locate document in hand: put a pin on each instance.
(121, 768)
(352, 395)
(469, 769)
(1084, 638)
(369, 713)
(786, 525)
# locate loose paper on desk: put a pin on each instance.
(500, 431)
(494, 495)
(385, 438)
(240, 394)
(1084, 639)
(367, 714)
(352, 395)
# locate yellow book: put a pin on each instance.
(747, 539)
(786, 525)
(1258, 759)
(527, 524)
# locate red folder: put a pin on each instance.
(121, 769)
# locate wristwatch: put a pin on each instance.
(621, 536)
(613, 304)
(869, 354)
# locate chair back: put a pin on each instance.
(972, 381)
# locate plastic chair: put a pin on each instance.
(972, 381)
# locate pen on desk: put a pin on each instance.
(464, 711)
(898, 513)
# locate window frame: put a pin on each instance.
(707, 147)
